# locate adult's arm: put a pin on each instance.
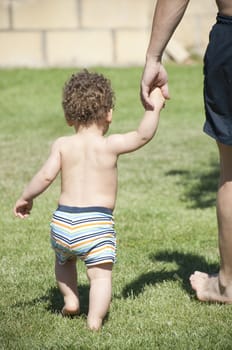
(167, 15)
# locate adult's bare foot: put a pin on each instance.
(207, 288)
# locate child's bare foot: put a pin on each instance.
(66, 312)
(207, 288)
(94, 324)
(70, 309)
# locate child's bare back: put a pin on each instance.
(88, 170)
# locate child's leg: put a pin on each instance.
(100, 278)
(66, 276)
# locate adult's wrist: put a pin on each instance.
(153, 58)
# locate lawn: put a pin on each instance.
(165, 222)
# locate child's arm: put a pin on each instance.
(39, 182)
(124, 143)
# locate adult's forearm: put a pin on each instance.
(168, 14)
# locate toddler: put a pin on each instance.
(83, 224)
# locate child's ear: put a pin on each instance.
(109, 116)
(70, 122)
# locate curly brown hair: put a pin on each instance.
(87, 97)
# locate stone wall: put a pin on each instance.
(41, 33)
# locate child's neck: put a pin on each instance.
(94, 129)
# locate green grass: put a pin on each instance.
(165, 222)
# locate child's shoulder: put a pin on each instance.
(64, 139)
(61, 141)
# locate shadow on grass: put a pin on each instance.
(56, 303)
(199, 186)
(54, 300)
(187, 264)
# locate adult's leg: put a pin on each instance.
(66, 276)
(219, 287)
(224, 214)
(100, 278)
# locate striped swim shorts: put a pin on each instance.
(84, 232)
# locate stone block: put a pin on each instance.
(176, 51)
(82, 48)
(131, 46)
(116, 13)
(193, 32)
(201, 7)
(4, 16)
(20, 49)
(45, 14)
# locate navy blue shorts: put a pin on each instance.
(218, 81)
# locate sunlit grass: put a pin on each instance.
(165, 221)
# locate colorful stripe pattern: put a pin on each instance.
(87, 233)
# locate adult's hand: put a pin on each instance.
(154, 75)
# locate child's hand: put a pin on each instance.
(22, 208)
(157, 98)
